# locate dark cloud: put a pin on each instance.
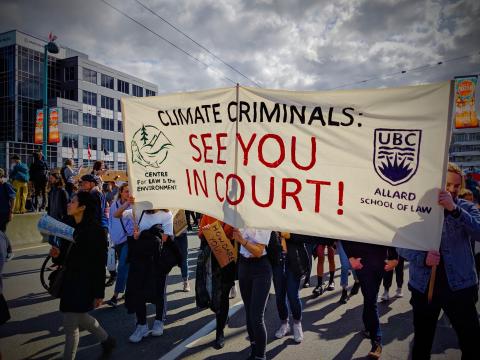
(311, 44)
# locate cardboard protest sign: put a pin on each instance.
(179, 222)
(361, 165)
(221, 246)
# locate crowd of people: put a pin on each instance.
(147, 248)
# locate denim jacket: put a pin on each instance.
(458, 234)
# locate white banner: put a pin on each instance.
(362, 165)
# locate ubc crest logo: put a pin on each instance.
(150, 146)
(396, 154)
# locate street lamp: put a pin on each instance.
(51, 47)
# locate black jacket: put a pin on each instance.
(57, 203)
(84, 279)
(39, 171)
(149, 261)
(297, 255)
(372, 255)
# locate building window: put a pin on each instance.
(137, 90)
(107, 102)
(69, 94)
(69, 141)
(119, 105)
(121, 146)
(120, 126)
(89, 120)
(123, 86)
(122, 165)
(107, 124)
(92, 141)
(107, 144)
(107, 81)
(70, 73)
(150, 92)
(70, 116)
(89, 98)
(90, 76)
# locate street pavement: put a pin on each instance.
(332, 331)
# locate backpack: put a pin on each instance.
(274, 249)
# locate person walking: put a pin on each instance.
(287, 275)
(255, 279)
(345, 269)
(370, 261)
(222, 280)
(456, 283)
(39, 178)
(83, 285)
(321, 245)
(57, 201)
(121, 233)
(182, 242)
(152, 255)
(388, 280)
(19, 176)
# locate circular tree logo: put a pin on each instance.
(149, 146)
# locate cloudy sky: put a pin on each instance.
(295, 45)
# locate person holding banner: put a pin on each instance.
(227, 279)
(152, 255)
(370, 261)
(455, 283)
(121, 230)
(255, 279)
(287, 275)
(83, 284)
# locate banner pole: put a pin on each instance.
(235, 170)
(433, 275)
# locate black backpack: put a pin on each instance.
(274, 249)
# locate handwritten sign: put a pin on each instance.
(219, 243)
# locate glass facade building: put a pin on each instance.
(82, 90)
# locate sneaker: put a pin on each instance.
(375, 352)
(233, 292)
(110, 281)
(297, 332)
(399, 293)
(157, 328)
(141, 331)
(283, 330)
(112, 302)
(331, 286)
(306, 284)
(344, 297)
(318, 290)
(219, 341)
(186, 286)
(9, 256)
(385, 296)
(355, 288)
(108, 346)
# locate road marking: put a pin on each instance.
(193, 339)
(31, 247)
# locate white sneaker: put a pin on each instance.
(186, 286)
(297, 332)
(399, 293)
(233, 292)
(385, 296)
(157, 329)
(140, 332)
(283, 330)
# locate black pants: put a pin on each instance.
(40, 190)
(222, 313)
(255, 279)
(161, 308)
(459, 306)
(370, 280)
(388, 275)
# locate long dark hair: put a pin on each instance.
(88, 200)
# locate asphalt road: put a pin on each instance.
(332, 331)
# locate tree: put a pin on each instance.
(143, 133)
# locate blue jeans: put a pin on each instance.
(345, 266)
(287, 285)
(182, 242)
(122, 267)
